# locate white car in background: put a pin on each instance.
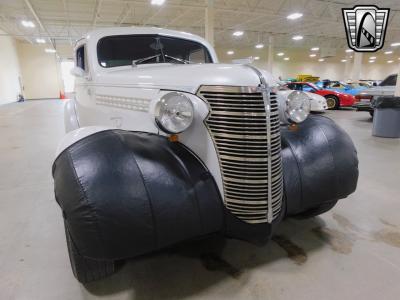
(318, 103)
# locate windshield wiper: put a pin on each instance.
(140, 60)
(183, 61)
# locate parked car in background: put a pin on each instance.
(370, 83)
(334, 99)
(351, 88)
(318, 103)
(365, 99)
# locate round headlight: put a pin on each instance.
(174, 113)
(298, 106)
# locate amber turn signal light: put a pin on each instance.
(173, 138)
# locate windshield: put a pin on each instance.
(124, 50)
(389, 81)
(314, 86)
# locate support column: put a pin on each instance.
(209, 23)
(356, 75)
(347, 68)
(270, 64)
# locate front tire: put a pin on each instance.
(87, 269)
(332, 102)
(371, 113)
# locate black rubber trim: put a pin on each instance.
(127, 193)
(320, 164)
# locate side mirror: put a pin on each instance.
(78, 72)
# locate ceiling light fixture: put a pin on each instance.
(343, 60)
(297, 37)
(49, 50)
(286, 58)
(280, 54)
(313, 55)
(238, 33)
(321, 59)
(372, 57)
(28, 24)
(349, 50)
(230, 52)
(388, 52)
(157, 2)
(390, 61)
(315, 49)
(260, 46)
(294, 16)
(371, 61)
(40, 41)
(257, 58)
(395, 44)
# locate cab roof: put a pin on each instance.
(110, 31)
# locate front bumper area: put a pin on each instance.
(129, 193)
(363, 106)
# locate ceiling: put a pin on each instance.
(64, 21)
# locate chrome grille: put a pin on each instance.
(238, 124)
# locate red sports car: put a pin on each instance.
(334, 99)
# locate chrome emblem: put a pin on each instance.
(365, 27)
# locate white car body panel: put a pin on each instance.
(379, 91)
(318, 103)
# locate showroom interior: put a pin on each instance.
(209, 149)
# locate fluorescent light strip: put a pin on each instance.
(157, 2)
(294, 16)
(28, 24)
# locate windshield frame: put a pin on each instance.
(155, 36)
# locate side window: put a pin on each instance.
(80, 58)
(197, 56)
(299, 87)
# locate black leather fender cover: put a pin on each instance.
(128, 193)
(319, 164)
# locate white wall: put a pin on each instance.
(301, 63)
(9, 70)
(40, 72)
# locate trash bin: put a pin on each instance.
(386, 117)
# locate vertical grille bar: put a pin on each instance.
(246, 133)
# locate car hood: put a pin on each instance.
(186, 78)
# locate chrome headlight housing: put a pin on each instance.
(174, 113)
(298, 107)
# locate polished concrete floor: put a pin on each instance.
(352, 252)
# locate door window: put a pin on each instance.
(81, 58)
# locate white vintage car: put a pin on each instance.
(164, 144)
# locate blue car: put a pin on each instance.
(347, 88)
